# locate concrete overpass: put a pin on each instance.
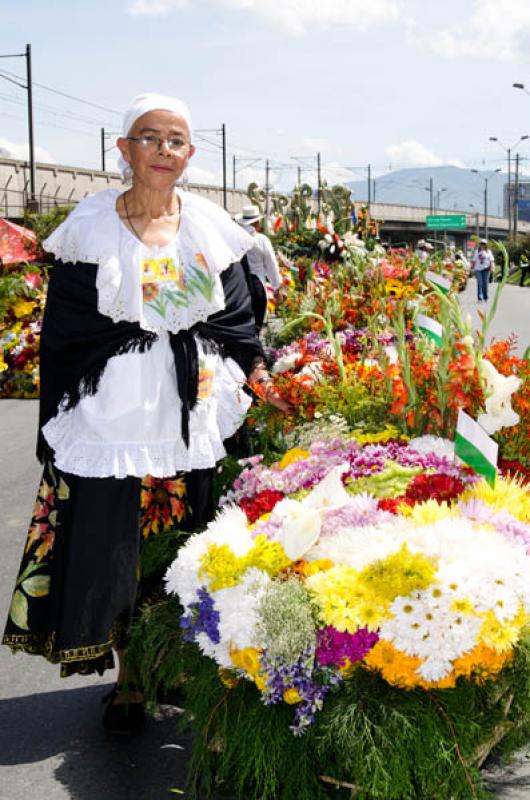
(59, 185)
(400, 223)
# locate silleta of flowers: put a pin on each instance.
(386, 557)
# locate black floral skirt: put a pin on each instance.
(78, 585)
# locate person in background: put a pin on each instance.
(482, 263)
(424, 250)
(262, 264)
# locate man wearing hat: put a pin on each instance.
(423, 250)
(482, 263)
(261, 262)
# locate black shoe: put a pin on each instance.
(123, 719)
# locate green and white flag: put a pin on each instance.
(476, 448)
(442, 283)
(430, 327)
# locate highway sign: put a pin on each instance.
(444, 222)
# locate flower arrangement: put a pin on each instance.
(308, 573)
(22, 299)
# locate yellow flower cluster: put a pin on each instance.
(223, 568)
(400, 573)
(292, 456)
(23, 308)
(502, 636)
(350, 599)
(389, 432)
(508, 495)
(248, 660)
(426, 513)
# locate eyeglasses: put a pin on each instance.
(151, 142)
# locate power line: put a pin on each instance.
(64, 94)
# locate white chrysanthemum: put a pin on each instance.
(361, 545)
(435, 668)
(433, 444)
(237, 606)
(219, 652)
(229, 527)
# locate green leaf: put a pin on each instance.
(31, 567)
(37, 586)
(18, 611)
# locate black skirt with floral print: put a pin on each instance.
(77, 587)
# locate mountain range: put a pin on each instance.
(454, 189)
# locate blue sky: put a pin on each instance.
(389, 82)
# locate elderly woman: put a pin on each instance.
(148, 340)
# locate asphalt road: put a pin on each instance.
(52, 746)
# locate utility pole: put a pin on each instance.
(223, 134)
(103, 149)
(509, 202)
(319, 179)
(32, 165)
(267, 190)
(516, 198)
(431, 195)
(369, 184)
(28, 86)
(299, 172)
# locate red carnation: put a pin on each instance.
(262, 503)
(433, 487)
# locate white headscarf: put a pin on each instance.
(143, 103)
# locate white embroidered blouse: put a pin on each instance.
(132, 425)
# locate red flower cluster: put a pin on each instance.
(261, 503)
(425, 487)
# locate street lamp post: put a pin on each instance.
(508, 151)
(486, 179)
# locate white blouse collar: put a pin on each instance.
(94, 233)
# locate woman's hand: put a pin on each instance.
(262, 385)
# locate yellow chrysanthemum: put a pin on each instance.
(291, 696)
(3, 365)
(292, 456)
(502, 636)
(397, 668)
(426, 513)
(389, 432)
(267, 556)
(508, 495)
(481, 663)
(247, 660)
(312, 567)
(343, 603)
(400, 573)
(221, 567)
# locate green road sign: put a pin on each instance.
(444, 222)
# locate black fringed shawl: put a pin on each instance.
(77, 341)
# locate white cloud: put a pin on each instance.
(499, 31)
(200, 175)
(21, 151)
(415, 154)
(315, 145)
(334, 173)
(294, 17)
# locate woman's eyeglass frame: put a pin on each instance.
(151, 142)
